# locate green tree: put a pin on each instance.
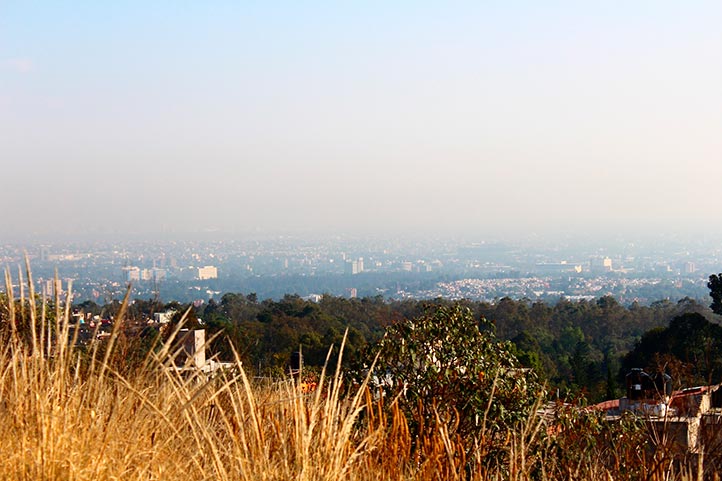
(528, 352)
(443, 367)
(715, 292)
(691, 344)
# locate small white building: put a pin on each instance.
(164, 317)
(193, 356)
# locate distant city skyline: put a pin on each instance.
(395, 269)
(480, 119)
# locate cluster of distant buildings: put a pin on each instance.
(356, 266)
(137, 274)
(187, 270)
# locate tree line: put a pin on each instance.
(574, 346)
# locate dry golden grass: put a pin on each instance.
(67, 413)
(79, 414)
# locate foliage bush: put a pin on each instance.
(443, 369)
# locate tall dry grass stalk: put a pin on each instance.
(70, 412)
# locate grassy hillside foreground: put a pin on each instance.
(87, 413)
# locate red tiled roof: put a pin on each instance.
(606, 405)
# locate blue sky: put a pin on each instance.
(375, 117)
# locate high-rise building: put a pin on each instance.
(49, 286)
(158, 274)
(146, 274)
(607, 264)
(132, 273)
(351, 268)
(600, 265)
(207, 272)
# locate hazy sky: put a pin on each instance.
(381, 117)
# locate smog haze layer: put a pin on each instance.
(467, 118)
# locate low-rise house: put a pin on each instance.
(685, 422)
